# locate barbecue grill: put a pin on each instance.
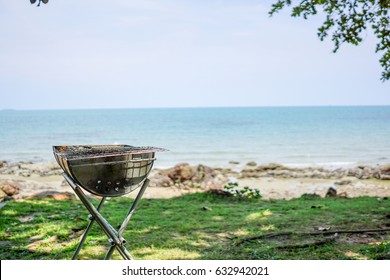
(106, 171)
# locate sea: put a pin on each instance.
(331, 137)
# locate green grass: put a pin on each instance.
(179, 228)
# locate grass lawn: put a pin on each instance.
(179, 228)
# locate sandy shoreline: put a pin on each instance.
(273, 181)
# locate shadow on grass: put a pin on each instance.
(181, 228)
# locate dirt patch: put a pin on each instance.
(53, 195)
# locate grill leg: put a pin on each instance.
(84, 236)
(104, 225)
(128, 217)
(122, 251)
(117, 242)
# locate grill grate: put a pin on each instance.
(106, 170)
(82, 152)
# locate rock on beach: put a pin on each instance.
(279, 171)
(183, 175)
(8, 190)
(26, 179)
(27, 169)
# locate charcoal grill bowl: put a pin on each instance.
(107, 174)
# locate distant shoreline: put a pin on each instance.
(233, 165)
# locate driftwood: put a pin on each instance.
(288, 233)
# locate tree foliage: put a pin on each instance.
(347, 22)
(39, 2)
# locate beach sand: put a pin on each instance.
(32, 179)
(291, 188)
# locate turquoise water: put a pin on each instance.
(330, 136)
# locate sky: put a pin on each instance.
(168, 53)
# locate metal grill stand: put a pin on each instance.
(106, 171)
(115, 237)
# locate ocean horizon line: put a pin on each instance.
(193, 107)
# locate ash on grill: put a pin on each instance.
(77, 152)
